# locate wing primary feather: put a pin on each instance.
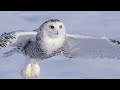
(15, 37)
(115, 41)
(88, 46)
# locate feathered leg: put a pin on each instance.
(32, 70)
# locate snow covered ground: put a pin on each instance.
(77, 22)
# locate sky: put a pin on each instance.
(95, 23)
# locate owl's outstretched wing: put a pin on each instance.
(92, 47)
(16, 38)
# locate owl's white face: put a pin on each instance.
(53, 29)
(53, 35)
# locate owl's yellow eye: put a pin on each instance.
(60, 26)
(51, 27)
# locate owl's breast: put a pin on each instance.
(49, 44)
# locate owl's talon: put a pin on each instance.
(32, 70)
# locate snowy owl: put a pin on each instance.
(51, 39)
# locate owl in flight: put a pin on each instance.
(51, 39)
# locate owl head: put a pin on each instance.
(52, 28)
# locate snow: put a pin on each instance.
(77, 22)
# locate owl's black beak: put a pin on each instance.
(57, 33)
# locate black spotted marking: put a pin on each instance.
(115, 41)
(53, 20)
(7, 38)
(66, 50)
(118, 42)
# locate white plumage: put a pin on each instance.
(32, 70)
(93, 47)
(49, 43)
(50, 39)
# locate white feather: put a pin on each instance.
(20, 37)
(24, 36)
(92, 47)
(52, 44)
(32, 70)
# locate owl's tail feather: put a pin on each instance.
(32, 70)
